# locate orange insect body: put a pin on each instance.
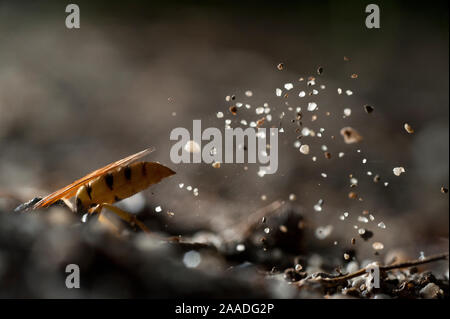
(120, 183)
(109, 184)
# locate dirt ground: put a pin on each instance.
(340, 203)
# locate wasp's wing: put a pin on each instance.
(71, 190)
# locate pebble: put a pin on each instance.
(378, 246)
(369, 109)
(350, 135)
(408, 128)
(304, 149)
(398, 171)
(319, 70)
(192, 147)
(430, 291)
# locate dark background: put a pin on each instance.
(74, 100)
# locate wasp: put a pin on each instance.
(106, 186)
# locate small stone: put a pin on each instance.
(408, 128)
(369, 109)
(304, 149)
(377, 246)
(283, 229)
(278, 92)
(352, 195)
(365, 234)
(398, 171)
(280, 66)
(288, 86)
(192, 147)
(381, 225)
(431, 291)
(319, 70)
(312, 106)
(216, 164)
(350, 135)
(324, 231)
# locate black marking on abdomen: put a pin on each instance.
(88, 190)
(127, 172)
(144, 169)
(109, 179)
(79, 205)
(116, 198)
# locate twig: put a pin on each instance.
(360, 272)
(417, 262)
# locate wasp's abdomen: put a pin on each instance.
(125, 182)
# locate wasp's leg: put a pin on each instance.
(129, 218)
(68, 204)
(108, 223)
(102, 219)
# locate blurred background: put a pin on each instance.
(74, 100)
